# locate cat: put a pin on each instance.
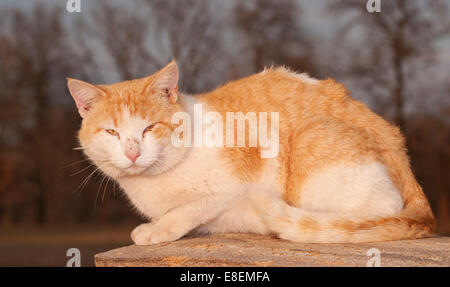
(341, 174)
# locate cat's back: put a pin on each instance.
(276, 90)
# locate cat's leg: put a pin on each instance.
(178, 221)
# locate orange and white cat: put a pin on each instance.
(341, 174)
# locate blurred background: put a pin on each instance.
(396, 61)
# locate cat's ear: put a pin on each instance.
(84, 94)
(167, 80)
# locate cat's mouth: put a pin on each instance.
(139, 169)
(133, 169)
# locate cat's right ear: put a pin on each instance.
(84, 94)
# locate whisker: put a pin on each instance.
(80, 171)
(84, 182)
(104, 190)
(98, 191)
(74, 163)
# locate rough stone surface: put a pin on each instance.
(255, 250)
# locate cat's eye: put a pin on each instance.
(112, 132)
(148, 129)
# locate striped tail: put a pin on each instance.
(295, 224)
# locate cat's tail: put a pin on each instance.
(295, 224)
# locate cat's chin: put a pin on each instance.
(118, 172)
(135, 170)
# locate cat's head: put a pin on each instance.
(126, 126)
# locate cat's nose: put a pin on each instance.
(132, 150)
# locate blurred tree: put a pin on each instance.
(37, 54)
(192, 32)
(147, 37)
(123, 34)
(429, 144)
(273, 34)
(403, 32)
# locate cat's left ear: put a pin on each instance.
(167, 81)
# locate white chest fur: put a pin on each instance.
(201, 172)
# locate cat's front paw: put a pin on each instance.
(152, 233)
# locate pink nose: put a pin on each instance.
(132, 150)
